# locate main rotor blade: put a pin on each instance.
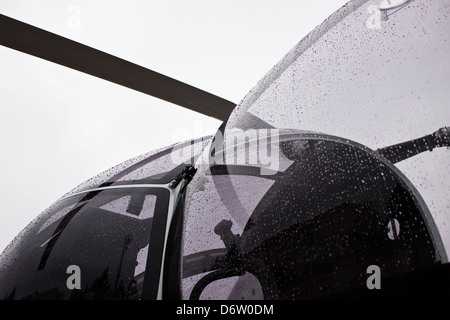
(46, 45)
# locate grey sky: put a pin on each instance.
(60, 127)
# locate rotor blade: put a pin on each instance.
(46, 45)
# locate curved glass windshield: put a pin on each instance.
(363, 183)
(379, 78)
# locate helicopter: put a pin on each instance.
(323, 171)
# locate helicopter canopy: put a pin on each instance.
(376, 77)
(364, 80)
(301, 202)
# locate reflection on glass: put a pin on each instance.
(106, 233)
(337, 209)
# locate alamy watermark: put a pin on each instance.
(74, 280)
(73, 21)
(373, 22)
(374, 280)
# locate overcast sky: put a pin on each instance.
(59, 127)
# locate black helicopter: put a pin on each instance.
(295, 197)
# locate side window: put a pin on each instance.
(108, 234)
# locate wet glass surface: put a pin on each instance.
(308, 231)
(366, 184)
(155, 167)
(107, 234)
(377, 82)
